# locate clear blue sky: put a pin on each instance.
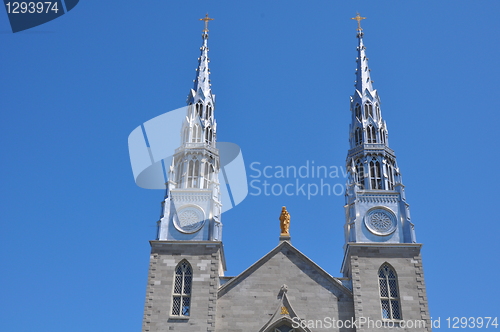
(75, 227)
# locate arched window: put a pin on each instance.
(178, 174)
(390, 174)
(358, 136)
(196, 134)
(361, 173)
(206, 175)
(199, 109)
(371, 134)
(196, 173)
(186, 135)
(209, 111)
(208, 135)
(190, 173)
(193, 172)
(357, 110)
(378, 112)
(389, 293)
(181, 297)
(376, 179)
(383, 135)
(368, 110)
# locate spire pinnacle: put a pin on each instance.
(363, 77)
(202, 80)
(206, 19)
(358, 18)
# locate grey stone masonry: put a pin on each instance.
(282, 286)
(207, 261)
(364, 262)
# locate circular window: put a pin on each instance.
(380, 222)
(189, 219)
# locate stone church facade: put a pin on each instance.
(382, 286)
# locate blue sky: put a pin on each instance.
(75, 228)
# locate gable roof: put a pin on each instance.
(282, 247)
(284, 313)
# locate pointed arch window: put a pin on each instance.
(389, 292)
(206, 175)
(181, 296)
(190, 172)
(361, 173)
(196, 133)
(178, 174)
(390, 174)
(375, 175)
(368, 110)
(371, 134)
(208, 135)
(193, 173)
(358, 136)
(196, 173)
(357, 110)
(199, 109)
(209, 111)
(383, 135)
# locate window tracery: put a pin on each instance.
(389, 293)
(181, 295)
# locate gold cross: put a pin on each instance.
(206, 19)
(358, 18)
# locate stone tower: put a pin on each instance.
(187, 257)
(381, 255)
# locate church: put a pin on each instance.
(382, 285)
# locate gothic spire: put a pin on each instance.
(363, 77)
(367, 126)
(192, 207)
(202, 81)
(374, 186)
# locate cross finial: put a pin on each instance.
(206, 19)
(358, 18)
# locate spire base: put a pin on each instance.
(285, 237)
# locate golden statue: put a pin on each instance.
(285, 221)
